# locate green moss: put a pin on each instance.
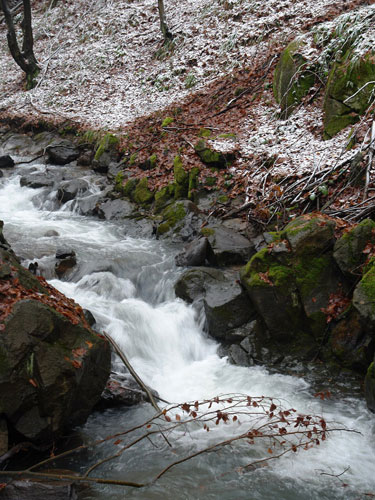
(228, 136)
(210, 181)
(133, 159)
(204, 132)
(107, 143)
(129, 188)
(153, 160)
(309, 272)
(167, 121)
(367, 283)
(142, 195)
(171, 216)
(207, 231)
(292, 80)
(212, 158)
(193, 183)
(163, 196)
(181, 179)
(371, 371)
(223, 198)
(119, 180)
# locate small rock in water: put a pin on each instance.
(6, 161)
(64, 252)
(33, 267)
(50, 233)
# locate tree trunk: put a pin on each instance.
(163, 23)
(25, 58)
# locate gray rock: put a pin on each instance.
(6, 161)
(37, 490)
(50, 233)
(61, 153)
(227, 306)
(38, 179)
(192, 284)
(238, 356)
(310, 234)
(68, 190)
(197, 253)
(102, 165)
(229, 246)
(64, 252)
(115, 209)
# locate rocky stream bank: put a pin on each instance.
(293, 300)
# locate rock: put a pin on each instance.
(115, 209)
(121, 392)
(38, 179)
(64, 252)
(65, 265)
(89, 317)
(3, 436)
(61, 153)
(273, 290)
(351, 343)
(101, 166)
(36, 490)
(310, 234)
(192, 284)
(68, 190)
(1, 173)
(348, 250)
(85, 159)
(292, 79)
(181, 217)
(66, 260)
(6, 161)
(370, 387)
(197, 253)
(227, 306)
(212, 158)
(238, 356)
(52, 367)
(364, 296)
(229, 246)
(50, 233)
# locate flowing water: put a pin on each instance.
(127, 283)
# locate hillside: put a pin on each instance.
(106, 68)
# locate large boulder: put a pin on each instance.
(193, 284)
(115, 209)
(197, 253)
(349, 249)
(53, 367)
(68, 190)
(62, 152)
(227, 306)
(229, 246)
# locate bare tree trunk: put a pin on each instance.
(163, 23)
(25, 58)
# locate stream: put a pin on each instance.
(126, 280)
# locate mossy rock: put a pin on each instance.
(171, 216)
(193, 183)
(310, 234)
(129, 188)
(107, 144)
(364, 296)
(348, 250)
(181, 178)
(148, 164)
(273, 290)
(317, 278)
(292, 80)
(164, 196)
(142, 194)
(344, 101)
(215, 159)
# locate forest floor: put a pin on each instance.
(105, 67)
